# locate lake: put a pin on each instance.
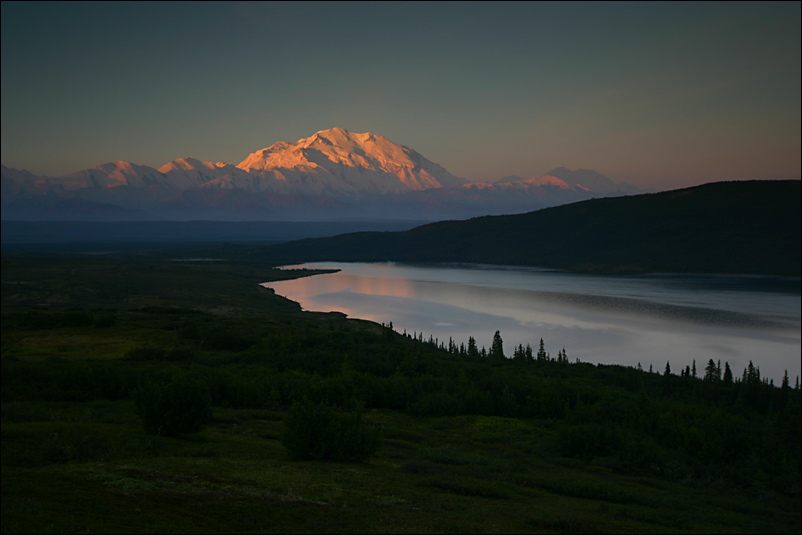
(647, 319)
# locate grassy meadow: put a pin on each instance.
(464, 442)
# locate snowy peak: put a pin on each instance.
(185, 173)
(581, 180)
(187, 164)
(346, 162)
(506, 179)
(111, 175)
(545, 180)
(334, 162)
(353, 174)
(18, 174)
(15, 181)
(590, 180)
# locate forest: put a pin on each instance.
(143, 395)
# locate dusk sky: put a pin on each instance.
(660, 95)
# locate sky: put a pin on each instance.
(659, 95)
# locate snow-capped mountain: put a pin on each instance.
(333, 173)
(508, 195)
(340, 163)
(579, 180)
(110, 175)
(591, 181)
(186, 173)
(538, 181)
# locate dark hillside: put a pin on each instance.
(725, 227)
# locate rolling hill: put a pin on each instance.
(723, 227)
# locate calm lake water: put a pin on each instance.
(647, 319)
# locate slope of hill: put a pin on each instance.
(724, 227)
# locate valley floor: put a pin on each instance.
(465, 444)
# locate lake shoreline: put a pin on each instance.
(641, 319)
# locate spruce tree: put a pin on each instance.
(710, 372)
(497, 348)
(727, 374)
(473, 351)
(541, 353)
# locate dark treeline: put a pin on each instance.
(708, 424)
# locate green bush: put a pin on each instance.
(314, 431)
(105, 319)
(226, 339)
(76, 444)
(157, 353)
(590, 440)
(146, 353)
(76, 318)
(181, 406)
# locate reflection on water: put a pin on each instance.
(623, 320)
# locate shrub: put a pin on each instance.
(314, 431)
(225, 339)
(105, 319)
(76, 444)
(590, 440)
(146, 353)
(76, 318)
(40, 320)
(466, 486)
(181, 406)
(157, 353)
(436, 404)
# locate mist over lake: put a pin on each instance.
(646, 319)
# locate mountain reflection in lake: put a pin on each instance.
(648, 319)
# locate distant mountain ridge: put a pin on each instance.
(333, 173)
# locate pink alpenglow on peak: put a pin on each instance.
(331, 175)
(111, 175)
(352, 163)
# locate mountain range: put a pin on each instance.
(334, 174)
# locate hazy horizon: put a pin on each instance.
(658, 95)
